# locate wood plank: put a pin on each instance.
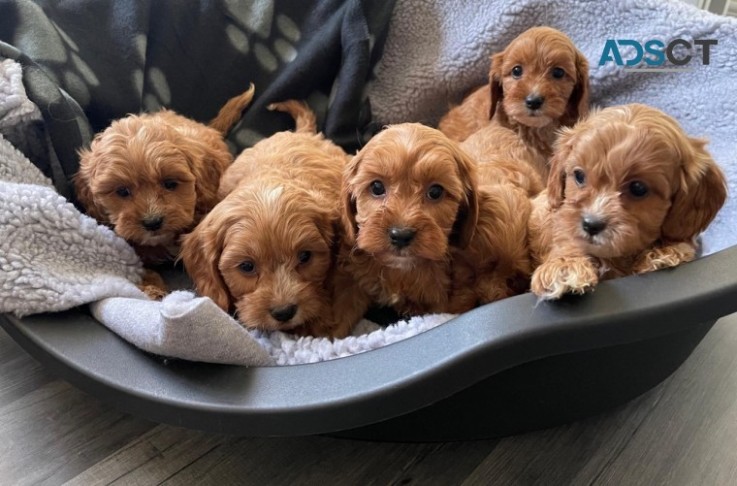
(447, 463)
(302, 460)
(224, 460)
(321, 460)
(19, 373)
(692, 439)
(571, 454)
(149, 459)
(682, 432)
(56, 431)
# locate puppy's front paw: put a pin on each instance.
(560, 276)
(153, 285)
(154, 292)
(325, 327)
(664, 257)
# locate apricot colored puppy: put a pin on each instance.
(628, 193)
(537, 85)
(153, 176)
(268, 249)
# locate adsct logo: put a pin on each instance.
(651, 56)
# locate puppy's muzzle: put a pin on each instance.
(283, 313)
(401, 237)
(593, 225)
(152, 223)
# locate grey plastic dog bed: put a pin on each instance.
(504, 368)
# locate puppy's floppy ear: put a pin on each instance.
(495, 83)
(701, 193)
(467, 218)
(327, 218)
(556, 184)
(200, 254)
(207, 165)
(88, 168)
(348, 212)
(578, 102)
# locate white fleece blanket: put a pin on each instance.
(435, 52)
(52, 258)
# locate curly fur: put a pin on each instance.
(280, 203)
(592, 174)
(526, 134)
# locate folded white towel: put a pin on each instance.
(194, 328)
(182, 326)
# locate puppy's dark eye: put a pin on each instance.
(435, 192)
(377, 188)
(517, 71)
(557, 72)
(579, 176)
(247, 267)
(304, 256)
(638, 189)
(123, 191)
(170, 184)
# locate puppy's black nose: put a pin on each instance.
(534, 102)
(401, 237)
(152, 223)
(283, 313)
(593, 226)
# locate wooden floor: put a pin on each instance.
(684, 432)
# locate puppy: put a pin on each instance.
(496, 263)
(628, 193)
(538, 84)
(495, 168)
(409, 197)
(267, 249)
(153, 176)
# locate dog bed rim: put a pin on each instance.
(358, 390)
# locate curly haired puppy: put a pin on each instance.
(268, 248)
(409, 196)
(153, 176)
(628, 193)
(538, 84)
(496, 263)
